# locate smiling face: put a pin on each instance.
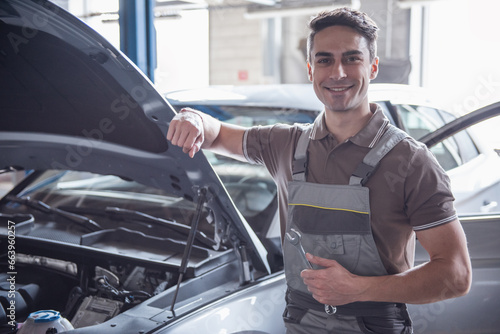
(340, 69)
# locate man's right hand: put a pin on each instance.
(186, 131)
(193, 130)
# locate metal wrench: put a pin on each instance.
(294, 238)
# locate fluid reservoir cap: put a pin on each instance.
(45, 316)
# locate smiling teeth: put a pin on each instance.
(337, 89)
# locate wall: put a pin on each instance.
(236, 48)
(239, 47)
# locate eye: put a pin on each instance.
(323, 61)
(353, 59)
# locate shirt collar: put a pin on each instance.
(367, 137)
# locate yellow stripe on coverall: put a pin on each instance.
(321, 207)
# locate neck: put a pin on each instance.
(345, 124)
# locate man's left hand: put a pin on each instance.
(333, 285)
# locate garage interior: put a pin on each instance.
(183, 44)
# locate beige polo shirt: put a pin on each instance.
(409, 191)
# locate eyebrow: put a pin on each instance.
(347, 53)
(352, 52)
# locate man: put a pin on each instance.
(354, 190)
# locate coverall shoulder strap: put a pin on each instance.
(299, 164)
(389, 139)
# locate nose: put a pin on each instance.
(338, 71)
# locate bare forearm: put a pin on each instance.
(446, 275)
(427, 283)
(223, 138)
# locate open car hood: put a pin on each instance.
(69, 100)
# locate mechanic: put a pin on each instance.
(354, 190)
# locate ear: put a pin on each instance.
(374, 68)
(309, 71)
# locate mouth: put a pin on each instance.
(337, 89)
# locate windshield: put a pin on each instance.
(251, 187)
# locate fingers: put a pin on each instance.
(196, 147)
(186, 131)
(316, 278)
(317, 286)
(320, 260)
(182, 134)
(317, 283)
(333, 285)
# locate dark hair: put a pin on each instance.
(345, 16)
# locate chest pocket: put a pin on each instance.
(344, 249)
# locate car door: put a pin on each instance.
(477, 312)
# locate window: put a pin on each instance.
(419, 121)
(466, 146)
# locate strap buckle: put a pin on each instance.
(299, 166)
(363, 171)
(329, 309)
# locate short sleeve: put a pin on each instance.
(271, 146)
(428, 195)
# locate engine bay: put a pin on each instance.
(90, 273)
(83, 293)
(91, 247)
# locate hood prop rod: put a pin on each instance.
(202, 193)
